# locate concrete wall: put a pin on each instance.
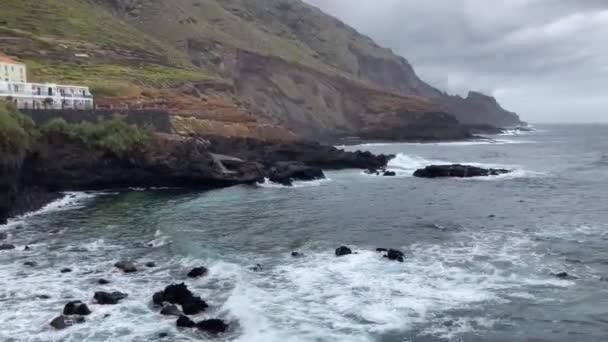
(11, 72)
(158, 120)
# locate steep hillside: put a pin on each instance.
(230, 66)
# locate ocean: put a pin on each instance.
(481, 255)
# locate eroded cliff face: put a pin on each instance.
(478, 109)
(267, 69)
(320, 106)
(297, 64)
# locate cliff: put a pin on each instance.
(254, 68)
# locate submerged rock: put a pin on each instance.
(63, 322)
(185, 322)
(297, 254)
(30, 263)
(393, 254)
(106, 298)
(103, 282)
(150, 264)
(389, 174)
(126, 266)
(197, 272)
(458, 171)
(212, 326)
(256, 268)
(66, 270)
(341, 251)
(565, 276)
(6, 247)
(171, 310)
(76, 308)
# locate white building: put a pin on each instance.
(14, 86)
(11, 71)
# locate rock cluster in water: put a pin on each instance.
(179, 294)
(457, 171)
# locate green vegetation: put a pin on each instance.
(16, 130)
(114, 135)
(101, 77)
(83, 21)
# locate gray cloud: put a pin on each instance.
(545, 59)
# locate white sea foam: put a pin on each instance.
(315, 298)
(69, 201)
(297, 184)
(365, 145)
(362, 296)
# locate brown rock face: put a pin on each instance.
(305, 70)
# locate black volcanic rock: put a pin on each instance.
(7, 247)
(179, 294)
(126, 266)
(457, 171)
(343, 250)
(185, 322)
(286, 173)
(106, 298)
(76, 308)
(63, 322)
(194, 305)
(393, 254)
(197, 272)
(212, 326)
(269, 153)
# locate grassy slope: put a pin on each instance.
(118, 51)
(148, 47)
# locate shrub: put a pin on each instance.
(16, 130)
(114, 135)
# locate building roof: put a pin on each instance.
(6, 59)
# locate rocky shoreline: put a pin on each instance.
(57, 164)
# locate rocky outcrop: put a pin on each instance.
(76, 308)
(107, 298)
(179, 294)
(197, 272)
(342, 251)
(286, 173)
(268, 153)
(478, 109)
(58, 163)
(458, 171)
(126, 266)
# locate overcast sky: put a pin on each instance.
(545, 59)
